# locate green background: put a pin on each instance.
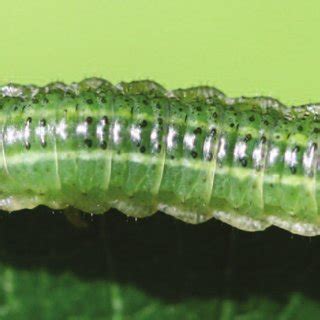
(159, 268)
(242, 47)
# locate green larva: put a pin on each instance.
(191, 153)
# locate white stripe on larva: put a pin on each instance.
(61, 129)
(222, 151)
(290, 157)
(207, 145)
(100, 130)
(82, 128)
(27, 131)
(309, 158)
(41, 133)
(100, 112)
(171, 138)
(292, 180)
(56, 162)
(240, 150)
(189, 140)
(135, 133)
(258, 156)
(116, 132)
(154, 135)
(5, 165)
(12, 134)
(273, 155)
(238, 172)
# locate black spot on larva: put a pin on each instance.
(27, 145)
(197, 130)
(215, 115)
(293, 169)
(209, 156)
(143, 123)
(88, 142)
(247, 138)
(105, 120)
(296, 149)
(29, 120)
(213, 131)
(103, 145)
(142, 149)
(244, 162)
(89, 120)
(300, 128)
(316, 130)
(231, 125)
(194, 154)
(89, 101)
(263, 139)
(251, 118)
(43, 122)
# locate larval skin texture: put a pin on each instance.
(191, 153)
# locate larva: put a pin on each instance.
(191, 153)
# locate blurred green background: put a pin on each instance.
(243, 47)
(159, 268)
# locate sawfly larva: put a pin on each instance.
(191, 153)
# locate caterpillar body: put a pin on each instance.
(191, 153)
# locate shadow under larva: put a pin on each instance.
(192, 153)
